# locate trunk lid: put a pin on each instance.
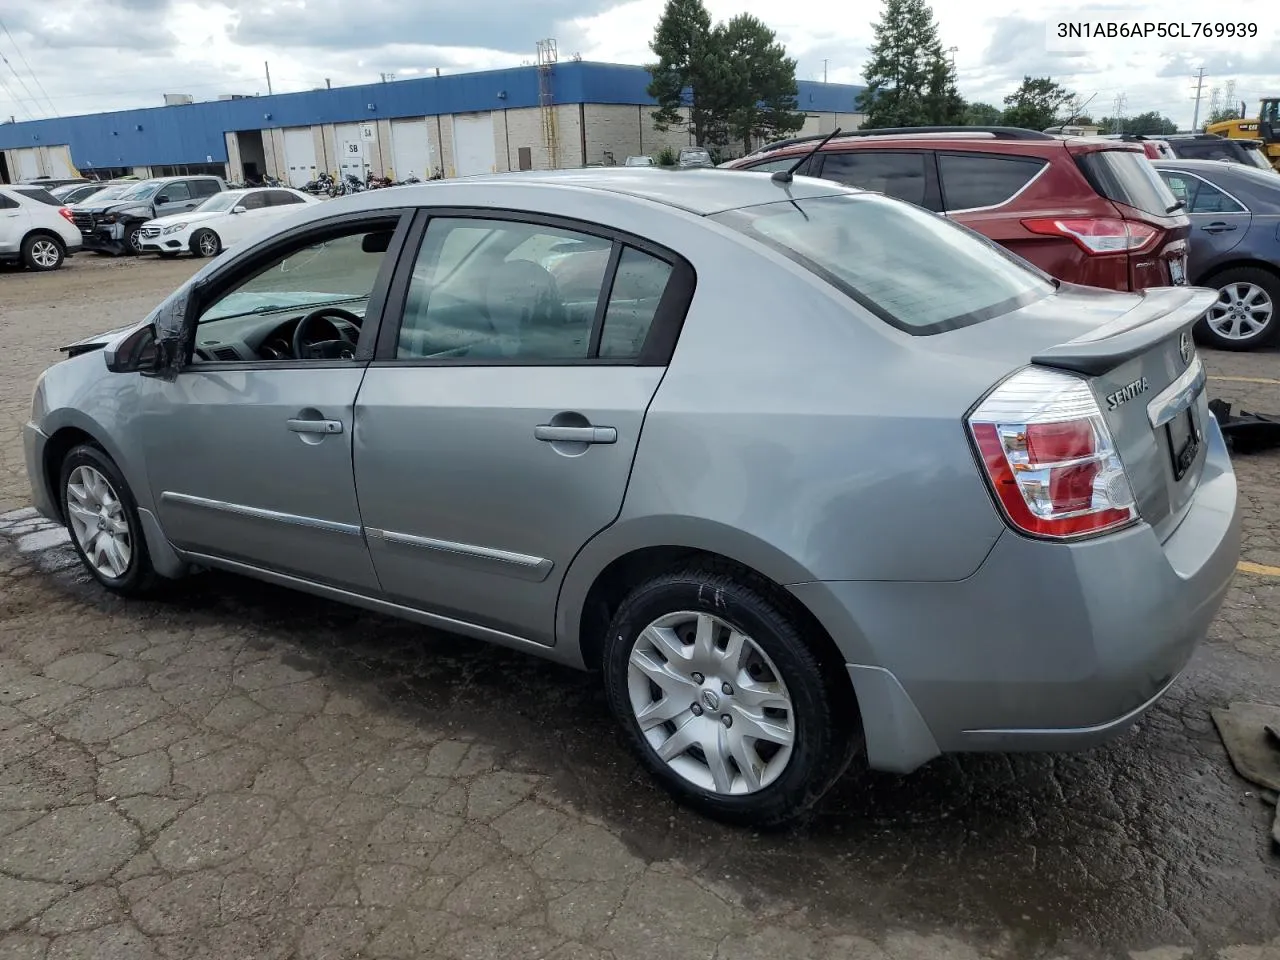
(1141, 364)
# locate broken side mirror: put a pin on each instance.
(136, 353)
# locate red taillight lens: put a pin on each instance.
(1097, 235)
(1151, 150)
(1049, 457)
(67, 215)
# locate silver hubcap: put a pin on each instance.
(1242, 312)
(135, 240)
(45, 253)
(98, 522)
(711, 703)
(208, 244)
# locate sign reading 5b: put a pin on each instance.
(353, 148)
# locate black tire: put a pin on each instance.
(1265, 281)
(41, 252)
(132, 240)
(205, 243)
(139, 577)
(827, 732)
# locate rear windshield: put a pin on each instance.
(914, 269)
(1253, 155)
(1126, 176)
(38, 193)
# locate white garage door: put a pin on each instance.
(410, 149)
(351, 149)
(60, 161)
(473, 143)
(299, 155)
(28, 163)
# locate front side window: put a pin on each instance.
(1198, 195)
(176, 192)
(341, 270)
(899, 175)
(494, 290)
(915, 270)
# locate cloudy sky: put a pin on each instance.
(80, 56)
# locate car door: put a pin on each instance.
(174, 197)
(248, 451)
(15, 219)
(1218, 220)
(496, 428)
(234, 227)
(909, 175)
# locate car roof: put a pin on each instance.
(993, 140)
(700, 190)
(1196, 163)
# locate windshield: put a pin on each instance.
(1127, 177)
(220, 202)
(912, 268)
(142, 191)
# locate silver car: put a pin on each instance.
(807, 473)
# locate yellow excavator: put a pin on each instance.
(1265, 127)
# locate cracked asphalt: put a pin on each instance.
(238, 771)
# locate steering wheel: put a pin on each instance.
(343, 348)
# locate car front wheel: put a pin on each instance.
(724, 699)
(205, 243)
(102, 518)
(1245, 316)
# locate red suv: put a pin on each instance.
(1086, 210)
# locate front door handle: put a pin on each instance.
(554, 434)
(315, 426)
(1218, 227)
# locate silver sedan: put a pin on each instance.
(808, 474)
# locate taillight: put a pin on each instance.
(1151, 150)
(1097, 235)
(67, 215)
(1049, 456)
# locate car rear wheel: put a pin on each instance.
(42, 253)
(1245, 316)
(102, 518)
(723, 699)
(205, 243)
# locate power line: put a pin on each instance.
(23, 57)
(31, 96)
(18, 100)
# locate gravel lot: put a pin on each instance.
(240, 772)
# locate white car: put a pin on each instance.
(221, 221)
(35, 228)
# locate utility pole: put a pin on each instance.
(1195, 117)
(824, 69)
(267, 66)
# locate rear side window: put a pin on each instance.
(1205, 150)
(7, 203)
(1199, 195)
(972, 181)
(899, 175)
(1126, 176)
(38, 193)
(204, 188)
(282, 198)
(913, 269)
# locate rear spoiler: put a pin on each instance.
(1162, 312)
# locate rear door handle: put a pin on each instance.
(1218, 227)
(553, 434)
(315, 426)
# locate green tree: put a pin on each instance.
(690, 72)
(761, 90)
(909, 79)
(1037, 104)
(1152, 123)
(981, 115)
(1225, 113)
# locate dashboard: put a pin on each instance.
(268, 335)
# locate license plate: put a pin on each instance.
(1184, 442)
(1177, 272)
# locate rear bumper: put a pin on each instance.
(1047, 646)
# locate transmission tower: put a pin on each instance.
(1117, 121)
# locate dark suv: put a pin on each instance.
(1086, 210)
(1210, 146)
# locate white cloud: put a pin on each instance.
(93, 55)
